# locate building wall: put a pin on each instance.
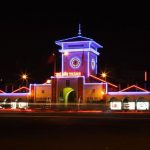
(42, 92)
(94, 92)
(82, 56)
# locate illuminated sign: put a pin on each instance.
(115, 105)
(129, 105)
(142, 105)
(68, 74)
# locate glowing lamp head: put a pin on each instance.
(48, 81)
(104, 75)
(102, 92)
(24, 76)
(66, 53)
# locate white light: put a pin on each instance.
(142, 105)
(115, 105)
(66, 53)
(23, 105)
(129, 105)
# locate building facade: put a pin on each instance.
(77, 82)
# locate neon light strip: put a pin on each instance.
(88, 73)
(79, 50)
(94, 83)
(89, 44)
(128, 93)
(14, 94)
(66, 76)
(90, 40)
(40, 84)
(103, 81)
(96, 64)
(63, 40)
(20, 89)
(2, 91)
(106, 87)
(62, 65)
(135, 87)
(62, 45)
(145, 76)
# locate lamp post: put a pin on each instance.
(54, 62)
(104, 75)
(25, 77)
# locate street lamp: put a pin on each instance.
(25, 77)
(104, 75)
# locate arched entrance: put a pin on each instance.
(69, 95)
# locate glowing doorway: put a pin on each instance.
(69, 95)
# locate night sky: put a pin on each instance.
(28, 33)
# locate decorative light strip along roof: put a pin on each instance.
(74, 38)
(2, 91)
(20, 89)
(133, 86)
(79, 50)
(77, 39)
(14, 94)
(128, 93)
(103, 81)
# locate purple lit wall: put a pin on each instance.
(76, 62)
(93, 64)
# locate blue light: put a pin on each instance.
(14, 94)
(88, 72)
(80, 50)
(128, 93)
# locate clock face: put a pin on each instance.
(93, 64)
(75, 62)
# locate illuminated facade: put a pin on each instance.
(77, 82)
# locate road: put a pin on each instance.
(75, 131)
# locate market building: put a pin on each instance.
(77, 82)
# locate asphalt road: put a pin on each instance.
(86, 131)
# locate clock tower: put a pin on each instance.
(79, 54)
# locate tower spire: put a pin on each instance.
(79, 31)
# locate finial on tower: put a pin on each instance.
(79, 32)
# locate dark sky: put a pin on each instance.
(27, 35)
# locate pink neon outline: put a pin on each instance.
(23, 87)
(103, 81)
(2, 91)
(135, 87)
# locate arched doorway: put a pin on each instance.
(69, 95)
